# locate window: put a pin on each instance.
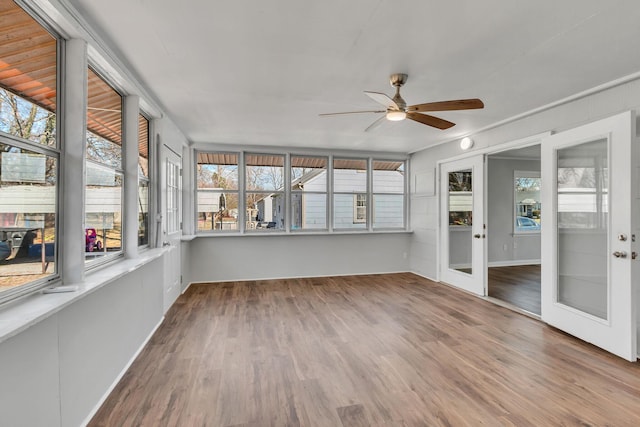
(264, 192)
(350, 193)
(104, 174)
(359, 208)
(388, 194)
(527, 202)
(363, 194)
(308, 193)
(143, 181)
(217, 193)
(29, 156)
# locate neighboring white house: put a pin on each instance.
(309, 200)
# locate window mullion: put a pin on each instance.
(369, 198)
(287, 193)
(242, 196)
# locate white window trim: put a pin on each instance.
(330, 193)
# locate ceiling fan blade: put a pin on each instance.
(352, 112)
(375, 124)
(458, 104)
(430, 120)
(382, 99)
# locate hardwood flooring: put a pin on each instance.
(518, 285)
(377, 350)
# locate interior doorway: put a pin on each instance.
(514, 213)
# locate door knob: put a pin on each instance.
(476, 236)
(620, 254)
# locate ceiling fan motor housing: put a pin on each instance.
(397, 80)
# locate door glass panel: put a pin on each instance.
(460, 220)
(583, 194)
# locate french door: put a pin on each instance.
(462, 225)
(589, 233)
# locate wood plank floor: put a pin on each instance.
(518, 285)
(377, 350)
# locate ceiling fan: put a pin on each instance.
(397, 109)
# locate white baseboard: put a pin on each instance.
(120, 375)
(294, 277)
(513, 263)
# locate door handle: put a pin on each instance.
(620, 254)
(165, 244)
(476, 236)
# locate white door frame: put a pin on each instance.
(517, 143)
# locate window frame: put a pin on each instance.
(375, 193)
(147, 181)
(355, 192)
(54, 151)
(237, 192)
(92, 263)
(289, 193)
(359, 207)
(303, 193)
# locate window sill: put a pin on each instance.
(25, 312)
(302, 233)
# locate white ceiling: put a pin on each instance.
(260, 72)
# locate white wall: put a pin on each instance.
(225, 258)
(505, 248)
(55, 372)
(424, 217)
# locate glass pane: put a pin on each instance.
(173, 197)
(28, 70)
(528, 206)
(460, 220)
(264, 172)
(218, 170)
(143, 147)
(265, 211)
(388, 211)
(350, 211)
(349, 175)
(309, 211)
(103, 211)
(583, 183)
(309, 173)
(217, 210)
(143, 213)
(388, 177)
(27, 216)
(104, 122)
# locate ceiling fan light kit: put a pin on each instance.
(396, 116)
(397, 109)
